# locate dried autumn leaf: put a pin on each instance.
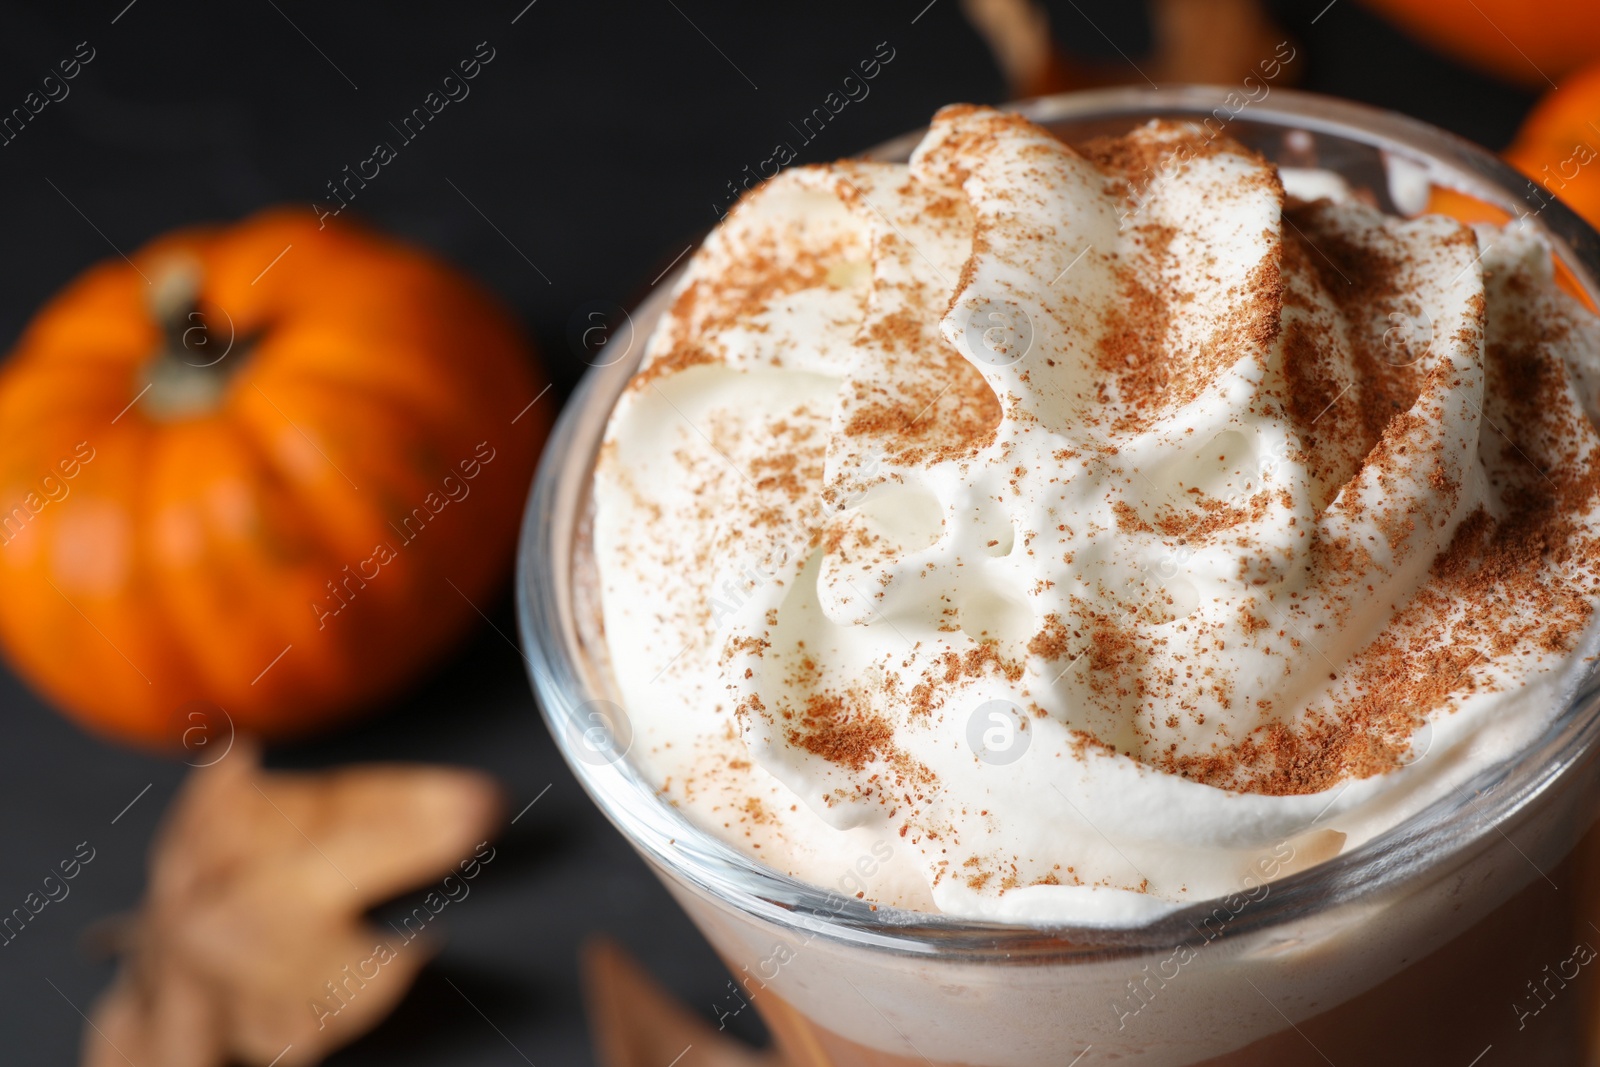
(636, 1023)
(1213, 42)
(258, 882)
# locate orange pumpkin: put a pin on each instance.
(1521, 41)
(1558, 145)
(272, 468)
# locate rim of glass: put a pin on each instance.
(568, 680)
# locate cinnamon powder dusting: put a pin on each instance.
(1250, 512)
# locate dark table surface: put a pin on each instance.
(596, 145)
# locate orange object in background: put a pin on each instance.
(1215, 42)
(1519, 41)
(268, 467)
(1558, 145)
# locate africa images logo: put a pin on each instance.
(997, 732)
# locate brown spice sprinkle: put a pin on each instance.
(1052, 642)
(837, 730)
(1492, 595)
(1515, 580)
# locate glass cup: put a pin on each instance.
(1462, 936)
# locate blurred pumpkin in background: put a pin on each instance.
(1558, 145)
(1216, 42)
(270, 467)
(1523, 42)
(1558, 148)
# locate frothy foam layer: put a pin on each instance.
(1055, 537)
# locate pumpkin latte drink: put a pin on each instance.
(1126, 600)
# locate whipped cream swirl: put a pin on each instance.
(1047, 535)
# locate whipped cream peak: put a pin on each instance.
(1091, 523)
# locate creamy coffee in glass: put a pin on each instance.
(1128, 597)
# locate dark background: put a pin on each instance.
(598, 142)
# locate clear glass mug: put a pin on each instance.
(1462, 936)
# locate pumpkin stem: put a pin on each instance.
(187, 376)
